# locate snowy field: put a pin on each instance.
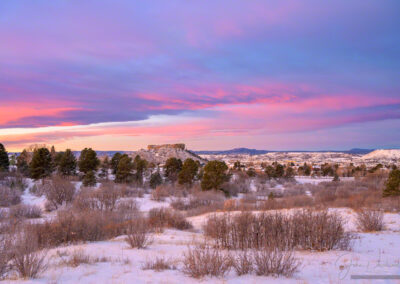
(372, 254)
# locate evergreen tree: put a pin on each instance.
(392, 185)
(41, 164)
(251, 172)
(67, 163)
(172, 168)
(89, 179)
(215, 174)
(23, 163)
(237, 166)
(88, 161)
(4, 162)
(114, 162)
(289, 173)
(188, 173)
(155, 180)
(124, 170)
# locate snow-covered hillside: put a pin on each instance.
(383, 155)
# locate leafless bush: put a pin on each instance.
(25, 211)
(274, 262)
(26, 259)
(159, 264)
(201, 202)
(243, 263)
(160, 218)
(9, 196)
(4, 255)
(304, 229)
(102, 199)
(15, 181)
(369, 220)
(128, 208)
(58, 191)
(201, 261)
(138, 234)
(71, 227)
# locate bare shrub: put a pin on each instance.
(159, 218)
(58, 191)
(243, 263)
(274, 262)
(201, 261)
(26, 259)
(304, 229)
(4, 255)
(159, 264)
(128, 208)
(369, 220)
(25, 211)
(159, 194)
(71, 227)
(9, 196)
(107, 196)
(138, 234)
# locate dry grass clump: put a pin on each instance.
(304, 229)
(159, 264)
(25, 211)
(9, 196)
(78, 257)
(159, 218)
(369, 220)
(202, 261)
(138, 233)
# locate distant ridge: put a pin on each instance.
(247, 151)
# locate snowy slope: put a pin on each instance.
(383, 154)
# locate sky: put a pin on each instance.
(275, 75)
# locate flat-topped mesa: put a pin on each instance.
(179, 146)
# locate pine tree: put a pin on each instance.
(89, 179)
(155, 180)
(140, 166)
(215, 174)
(114, 162)
(188, 173)
(392, 186)
(41, 164)
(124, 170)
(4, 162)
(105, 165)
(172, 168)
(88, 161)
(67, 163)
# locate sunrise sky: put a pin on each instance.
(277, 75)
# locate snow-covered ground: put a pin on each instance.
(372, 254)
(317, 180)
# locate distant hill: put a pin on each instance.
(393, 154)
(247, 151)
(244, 151)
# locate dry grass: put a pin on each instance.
(9, 196)
(79, 257)
(159, 264)
(243, 263)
